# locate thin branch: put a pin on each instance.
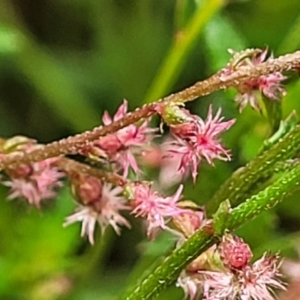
(69, 166)
(216, 82)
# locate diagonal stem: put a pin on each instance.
(242, 180)
(168, 271)
(216, 82)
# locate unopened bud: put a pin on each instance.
(172, 114)
(16, 143)
(190, 220)
(235, 253)
(87, 189)
(21, 171)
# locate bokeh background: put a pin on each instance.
(63, 62)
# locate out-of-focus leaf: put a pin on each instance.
(217, 42)
(37, 245)
(264, 22)
(9, 40)
(291, 41)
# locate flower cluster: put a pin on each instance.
(100, 202)
(34, 182)
(152, 206)
(122, 147)
(97, 203)
(268, 85)
(194, 139)
(225, 273)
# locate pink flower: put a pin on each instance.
(189, 221)
(123, 145)
(224, 272)
(150, 205)
(159, 156)
(34, 182)
(253, 282)
(102, 206)
(268, 85)
(199, 139)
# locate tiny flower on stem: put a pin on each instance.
(254, 282)
(230, 275)
(122, 146)
(197, 139)
(34, 182)
(99, 203)
(189, 220)
(269, 85)
(169, 166)
(152, 206)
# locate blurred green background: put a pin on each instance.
(63, 62)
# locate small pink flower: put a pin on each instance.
(269, 85)
(34, 182)
(156, 209)
(123, 146)
(224, 272)
(250, 283)
(101, 207)
(199, 139)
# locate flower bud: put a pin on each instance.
(87, 189)
(190, 219)
(235, 253)
(21, 171)
(172, 114)
(16, 143)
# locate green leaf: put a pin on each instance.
(217, 43)
(285, 127)
(179, 51)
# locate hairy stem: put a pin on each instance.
(216, 82)
(69, 166)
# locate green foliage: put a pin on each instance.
(62, 63)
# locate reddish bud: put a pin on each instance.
(21, 171)
(234, 252)
(87, 189)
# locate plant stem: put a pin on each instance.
(169, 270)
(241, 181)
(265, 200)
(69, 166)
(72, 144)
